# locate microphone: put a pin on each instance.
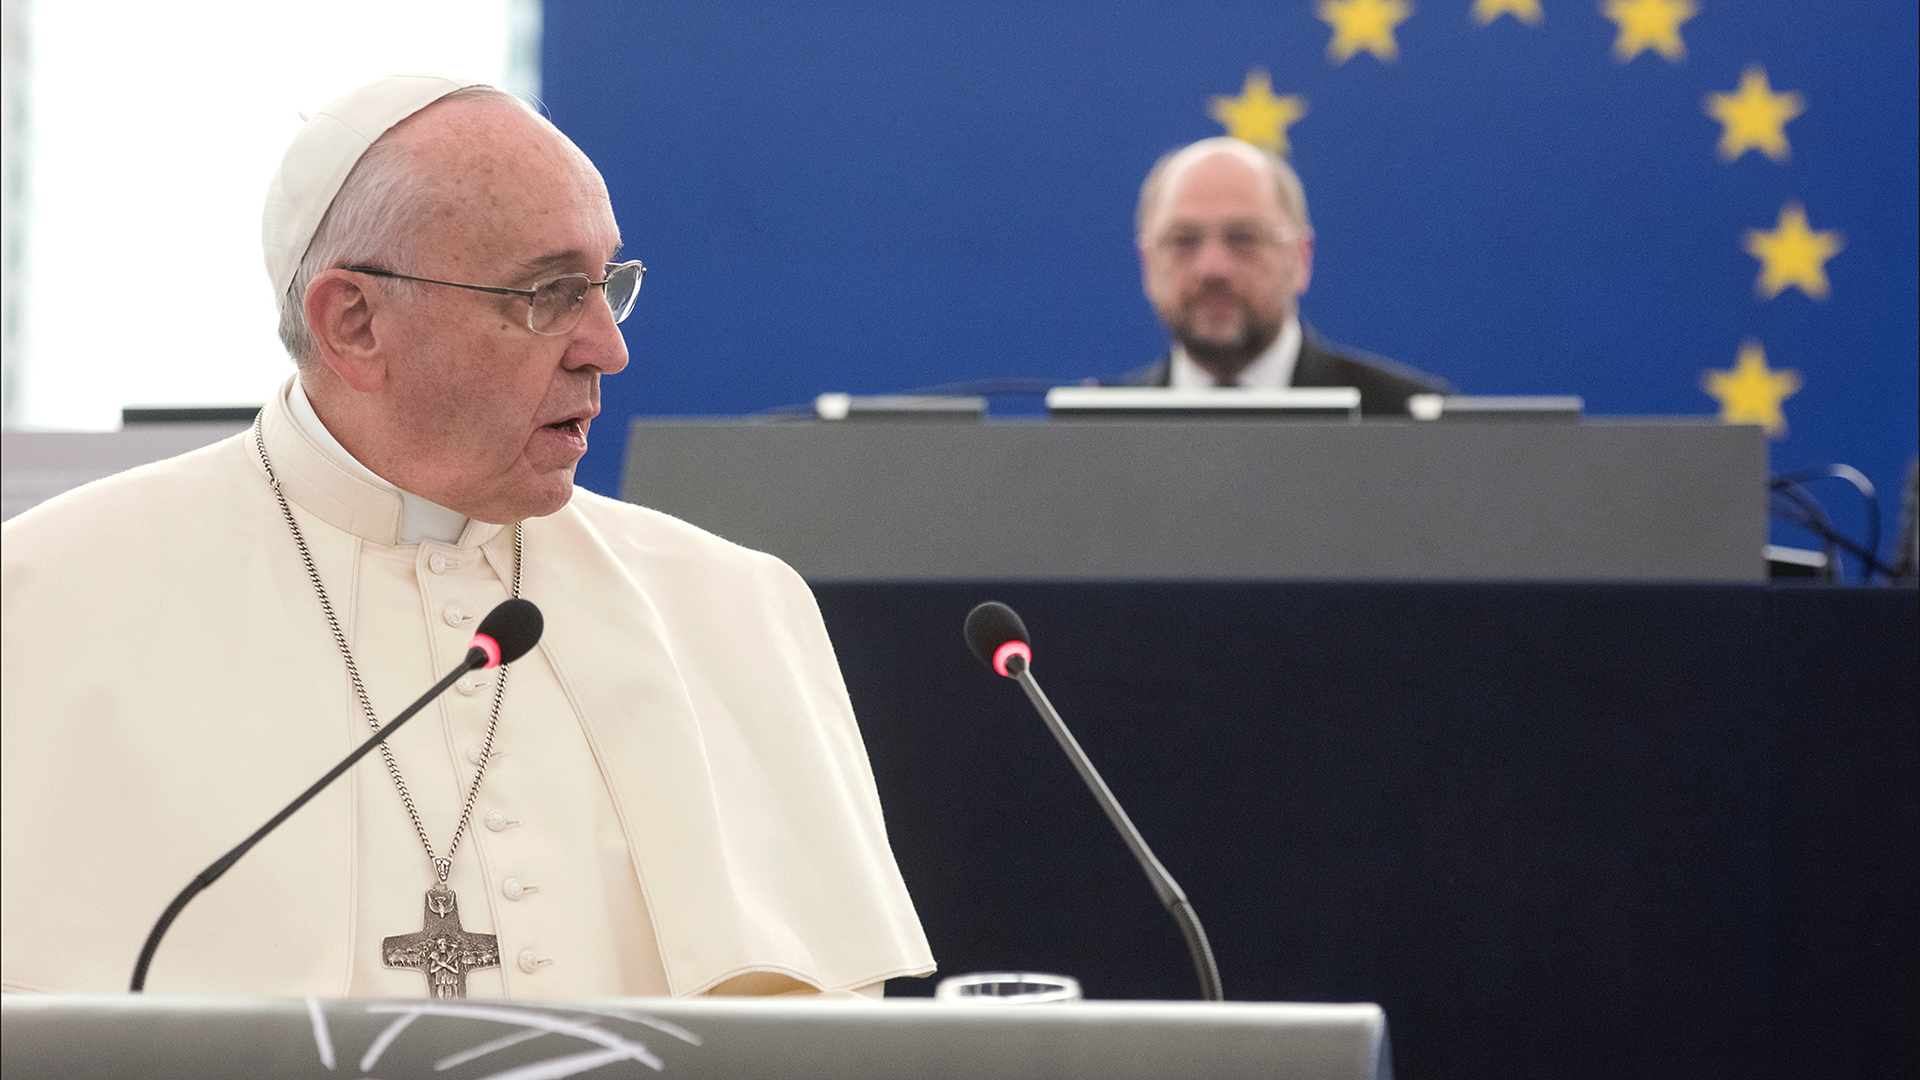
(997, 636)
(508, 632)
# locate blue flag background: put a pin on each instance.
(874, 197)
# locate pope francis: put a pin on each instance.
(668, 795)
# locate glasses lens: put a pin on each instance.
(1242, 243)
(1183, 243)
(623, 287)
(557, 303)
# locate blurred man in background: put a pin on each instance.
(1226, 251)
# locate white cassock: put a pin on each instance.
(678, 794)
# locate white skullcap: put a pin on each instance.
(322, 155)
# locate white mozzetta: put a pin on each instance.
(689, 795)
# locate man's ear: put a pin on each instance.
(1306, 266)
(340, 314)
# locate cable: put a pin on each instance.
(1808, 514)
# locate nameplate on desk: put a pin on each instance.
(1561, 408)
(1339, 403)
(900, 407)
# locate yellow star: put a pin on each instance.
(1793, 254)
(1751, 392)
(1527, 11)
(1754, 117)
(1649, 24)
(1363, 25)
(1256, 116)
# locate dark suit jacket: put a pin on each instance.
(1384, 384)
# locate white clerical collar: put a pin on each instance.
(420, 519)
(1271, 370)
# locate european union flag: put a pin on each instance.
(1669, 207)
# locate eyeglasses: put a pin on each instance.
(554, 304)
(1183, 242)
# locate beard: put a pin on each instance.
(1225, 345)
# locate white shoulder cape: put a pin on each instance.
(168, 685)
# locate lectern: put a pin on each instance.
(154, 1038)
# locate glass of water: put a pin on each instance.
(1007, 988)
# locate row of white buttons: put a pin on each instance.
(514, 889)
(496, 820)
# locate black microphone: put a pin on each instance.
(999, 639)
(508, 632)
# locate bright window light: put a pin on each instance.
(150, 133)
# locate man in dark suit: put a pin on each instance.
(1226, 250)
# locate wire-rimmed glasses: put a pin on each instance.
(1243, 241)
(555, 304)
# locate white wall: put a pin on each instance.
(151, 131)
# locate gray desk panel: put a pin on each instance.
(1170, 500)
(42, 464)
(158, 1038)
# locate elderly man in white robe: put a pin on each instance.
(669, 795)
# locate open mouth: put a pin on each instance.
(569, 426)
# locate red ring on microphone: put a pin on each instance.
(1011, 648)
(486, 644)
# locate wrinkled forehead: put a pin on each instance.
(491, 135)
(504, 180)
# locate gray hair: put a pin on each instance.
(1286, 183)
(375, 218)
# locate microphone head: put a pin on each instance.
(509, 631)
(996, 635)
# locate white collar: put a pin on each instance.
(420, 519)
(1271, 370)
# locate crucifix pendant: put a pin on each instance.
(441, 950)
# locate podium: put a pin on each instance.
(156, 1038)
(1197, 500)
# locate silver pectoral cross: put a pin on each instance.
(442, 951)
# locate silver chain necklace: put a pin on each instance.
(441, 949)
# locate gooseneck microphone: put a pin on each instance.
(508, 632)
(999, 639)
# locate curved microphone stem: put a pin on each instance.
(476, 658)
(1171, 896)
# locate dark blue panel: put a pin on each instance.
(870, 197)
(1557, 831)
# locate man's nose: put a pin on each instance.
(597, 341)
(1214, 259)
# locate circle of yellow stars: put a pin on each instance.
(1752, 117)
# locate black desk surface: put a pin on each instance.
(1555, 830)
